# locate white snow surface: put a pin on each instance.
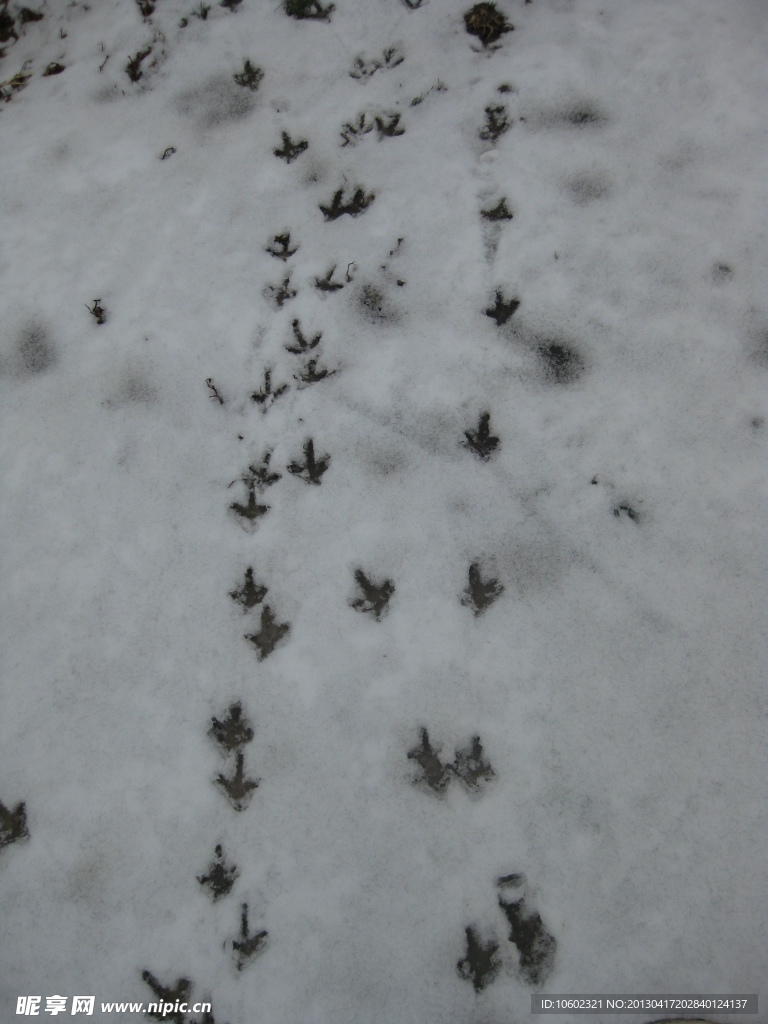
(617, 682)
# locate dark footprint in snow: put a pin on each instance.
(247, 946)
(178, 994)
(527, 932)
(302, 345)
(251, 593)
(391, 128)
(281, 247)
(480, 965)
(496, 123)
(238, 788)
(375, 597)
(266, 396)
(252, 511)
(234, 732)
(312, 469)
(354, 206)
(270, 634)
(435, 774)
(498, 212)
(257, 476)
(249, 77)
(311, 374)
(480, 594)
(503, 309)
(221, 876)
(13, 824)
(327, 284)
(628, 511)
(480, 441)
(290, 150)
(280, 293)
(470, 767)
(260, 476)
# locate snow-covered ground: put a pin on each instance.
(615, 330)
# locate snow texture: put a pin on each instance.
(284, 259)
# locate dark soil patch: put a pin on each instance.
(53, 69)
(27, 15)
(374, 597)
(480, 965)
(561, 363)
(580, 115)
(586, 188)
(487, 23)
(36, 352)
(480, 594)
(308, 9)
(373, 304)
(7, 27)
(480, 441)
(220, 878)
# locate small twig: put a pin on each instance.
(214, 392)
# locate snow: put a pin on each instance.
(617, 681)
